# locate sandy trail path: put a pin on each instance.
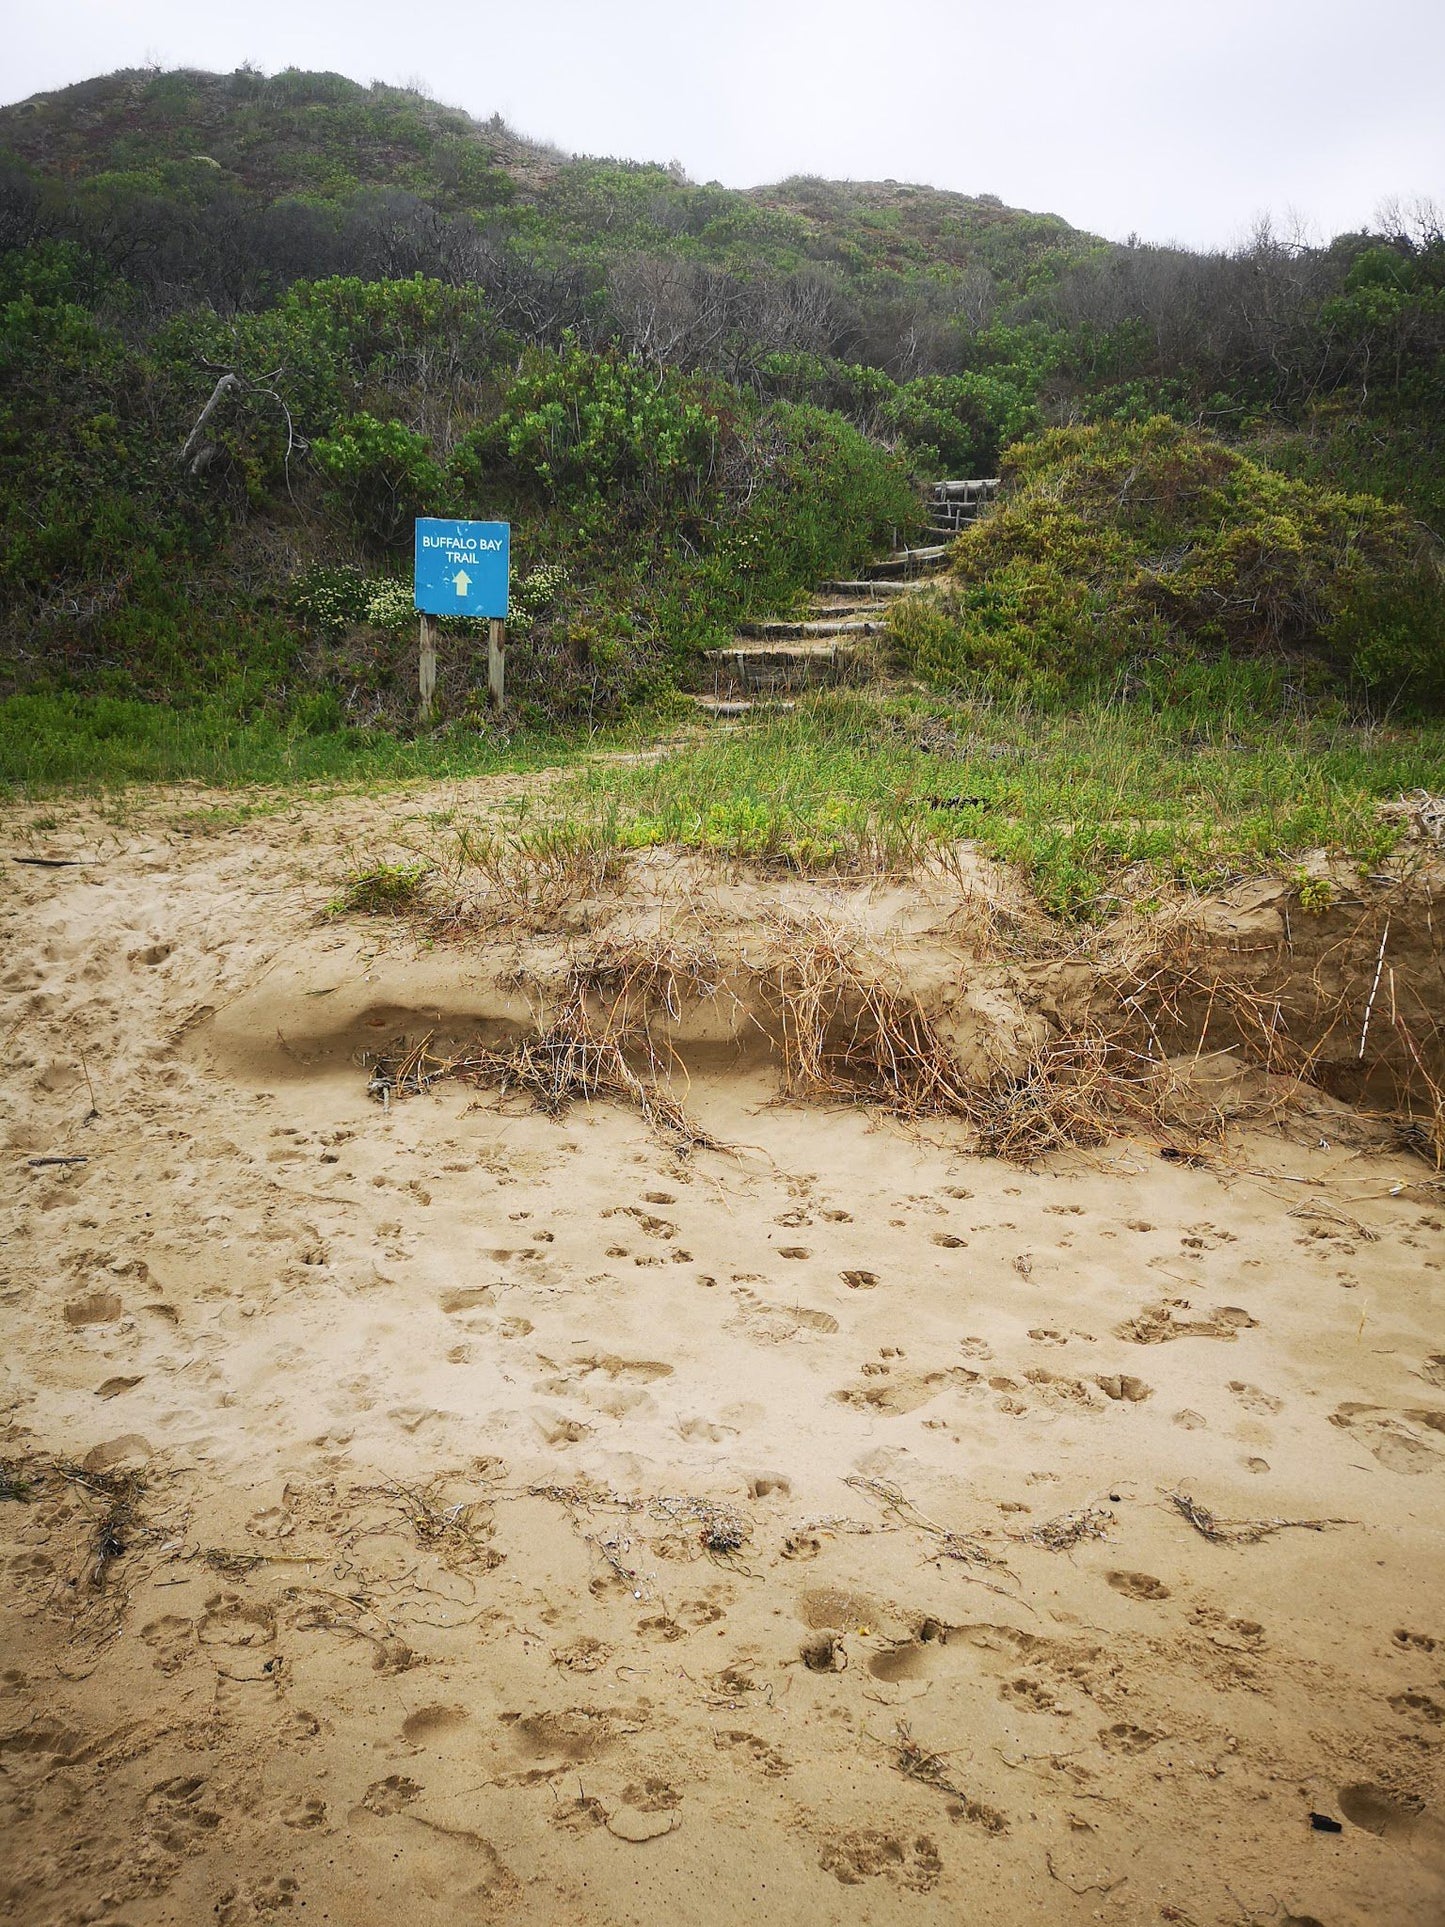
(521, 1538)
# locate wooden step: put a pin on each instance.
(910, 563)
(760, 665)
(727, 709)
(803, 631)
(863, 587)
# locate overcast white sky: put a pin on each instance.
(1178, 119)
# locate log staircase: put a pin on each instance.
(773, 659)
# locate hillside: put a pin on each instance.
(327, 141)
(251, 326)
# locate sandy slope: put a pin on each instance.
(417, 1612)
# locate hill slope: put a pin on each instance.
(326, 139)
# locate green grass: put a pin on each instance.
(1196, 795)
(1208, 781)
(51, 743)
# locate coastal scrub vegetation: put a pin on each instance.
(251, 325)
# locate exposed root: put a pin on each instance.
(603, 1025)
(916, 1762)
(901, 1510)
(1162, 1026)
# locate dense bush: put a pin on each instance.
(1121, 544)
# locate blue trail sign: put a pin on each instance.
(462, 568)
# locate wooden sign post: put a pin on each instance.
(497, 661)
(427, 670)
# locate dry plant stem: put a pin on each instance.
(952, 1545)
(1069, 1530)
(1242, 1532)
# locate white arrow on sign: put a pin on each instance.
(461, 582)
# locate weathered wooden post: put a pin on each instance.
(427, 671)
(497, 661)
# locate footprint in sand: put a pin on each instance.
(1400, 1818)
(1123, 1386)
(1254, 1400)
(303, 1813)
(769, 1324)
(705, 1431)
(177, 1814)
(893, 1395)
(766, 1484)
(582, 1655)
(172, 1639)
(557, 1429)
(568, 1734)
(271, 1895)
(391, 1794)
(1137, 1585)
(230, 1620)
(1124, 1737)
(913, 1658)
(869, 1853)
(428, 1722)
(594, 1374)
(755, 1752)
(652, 1226)
(1395, 1444)
(465, 1298)
(1058, 1389)
(96, 1308)
(1418, 1706)
(859, 1280)
(1157, 1324)
(1409, 1642)
(113, 1387)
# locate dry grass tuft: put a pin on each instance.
(529, 876)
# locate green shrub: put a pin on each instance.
(1125, 545)
(580, 428)
(384, 473)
